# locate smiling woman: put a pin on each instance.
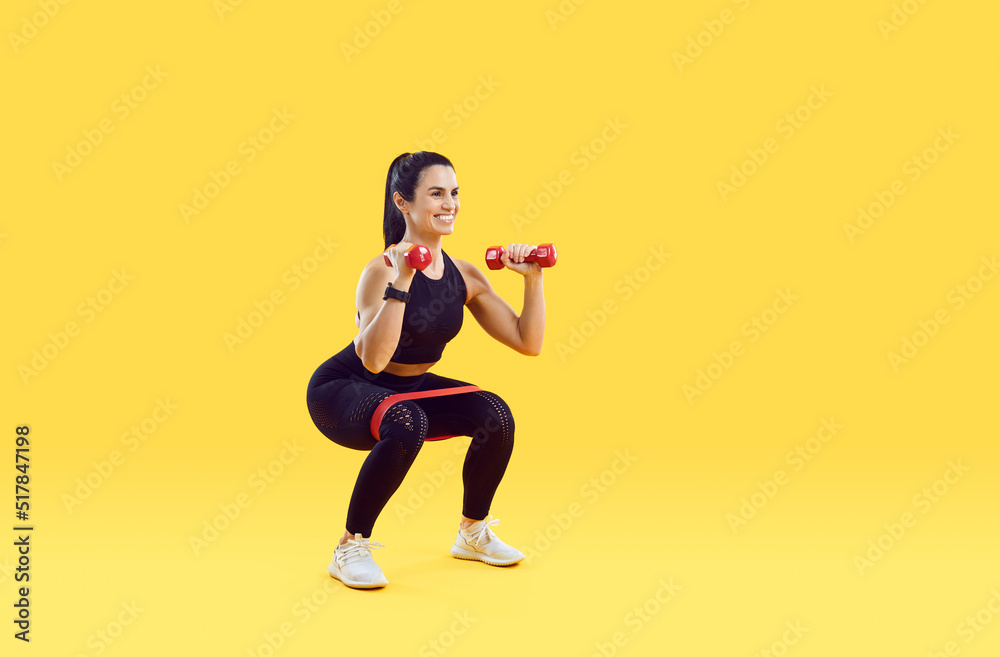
(377, 394)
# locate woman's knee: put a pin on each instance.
(497, 417)
(404, 422)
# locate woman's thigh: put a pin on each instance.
(342, 410)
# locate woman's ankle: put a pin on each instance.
(465, 523)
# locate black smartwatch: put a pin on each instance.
(393, 293)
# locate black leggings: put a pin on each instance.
(341, 401)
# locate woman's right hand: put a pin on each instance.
(397, 256)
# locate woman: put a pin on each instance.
(402, 330)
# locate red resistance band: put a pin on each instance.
(403, 396)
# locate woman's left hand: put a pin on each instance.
(513, 258)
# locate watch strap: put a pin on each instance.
(393, 293)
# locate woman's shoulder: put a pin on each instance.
(460, 264)
(373, 278)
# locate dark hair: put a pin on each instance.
(404, 175)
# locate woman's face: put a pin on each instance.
(435, 202)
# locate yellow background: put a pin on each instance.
(614, 388)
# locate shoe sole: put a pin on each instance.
(462, 553)
(336, 574)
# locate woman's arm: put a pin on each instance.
(381, 320)
(522, 333)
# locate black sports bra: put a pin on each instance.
(432, 316)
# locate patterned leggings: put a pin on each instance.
(342, 410)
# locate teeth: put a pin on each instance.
(445, 217)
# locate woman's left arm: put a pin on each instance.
(523, 333)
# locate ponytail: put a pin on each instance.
(404, 175)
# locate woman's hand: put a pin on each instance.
(397, 256)
(513, 258)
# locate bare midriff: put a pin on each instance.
(407, 369)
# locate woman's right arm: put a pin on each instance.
(381, 320)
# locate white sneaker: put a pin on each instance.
(353, 564)
(479, 543)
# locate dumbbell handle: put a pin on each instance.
(543, 254)
(416, 257)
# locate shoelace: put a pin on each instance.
(354, 550)
(483, 535)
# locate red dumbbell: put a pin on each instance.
(416, 257)
(543, 254)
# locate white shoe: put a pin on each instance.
(479, 543)
(353, 564)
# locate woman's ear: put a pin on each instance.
(400, 202)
